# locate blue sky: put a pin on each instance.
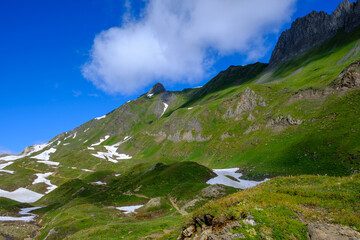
(45, 44)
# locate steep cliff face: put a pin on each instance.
(314, 28)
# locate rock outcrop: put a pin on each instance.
(315, 28)
(247, 102)
(349, 78)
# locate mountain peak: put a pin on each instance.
(316, 27)
(157, 88)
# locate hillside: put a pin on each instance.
(155, 155)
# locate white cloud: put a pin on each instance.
(179, 40)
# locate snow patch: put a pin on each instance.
(222, 178)
(74, 135)
(49, 163)
(87, 170)
(129, 209)
(118, 174)
(86, 130)
(98, 118)
(24, 218)
(36, 148)
(41, 178)
(112, 155)
(165, 107)
(149, 95)
(190, 108)
(22, 195)
(99, 183)
(4, 165)
(45, 156)
(91, 148)
(101, 140)
(66, 144)
(67, 137)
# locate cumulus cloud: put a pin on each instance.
(179, 40)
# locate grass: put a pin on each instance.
(281, 205)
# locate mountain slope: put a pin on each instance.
(298, 115)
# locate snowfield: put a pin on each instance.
(222, 178)
(129, 209)
(25, 218)
(22, 195)
(41, 177)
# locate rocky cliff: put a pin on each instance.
(314, 28)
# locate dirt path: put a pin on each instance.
(136, 194)
(182, 212)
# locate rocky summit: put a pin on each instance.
(313, 29)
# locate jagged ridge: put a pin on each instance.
(316, 27)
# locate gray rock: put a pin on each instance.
(325, 231)
(157, 88)
(315, 28)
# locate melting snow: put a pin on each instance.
(58, 143)
(22, 195)
(129, 209)
(98, 118)
(41, 177)
(23, 211)
(91, 148)
(66, 144)
(4, 165)
(149, 95)
(222, 178)
(45, 156)
(118, 174)
(99, 183)
(101, 140)
(112, 152)
(87, 170)
(165, 107)
(190, 108)
(67, 137)
(74, 135)
(49, 163)
(36, 148)
(86, 130)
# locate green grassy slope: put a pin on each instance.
(282, 207)
(82, 209)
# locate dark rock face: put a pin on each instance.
(157, 88)
(314, 28)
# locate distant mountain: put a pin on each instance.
(313, 29)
